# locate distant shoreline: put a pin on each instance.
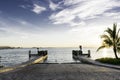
(7, 47)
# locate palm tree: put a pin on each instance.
(111, 39)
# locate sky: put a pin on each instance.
(56, 23)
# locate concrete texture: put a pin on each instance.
(90, 61)
(62, 72)
(38, 59)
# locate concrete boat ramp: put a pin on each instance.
(62, 72)
(34, 70)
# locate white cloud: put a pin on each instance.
(82, 9)
(21, 27)
(23, 22)
(38, 9)
(20, 21)
(23, 6)
(60, 18)
(53, 6)
(72, 2)
(112, 14)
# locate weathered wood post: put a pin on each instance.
(37, 50)
(89, 53)
(29, 54)
(80, 47)
(80, 51)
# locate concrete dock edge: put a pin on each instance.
(39, 59)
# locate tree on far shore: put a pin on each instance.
(111, 39)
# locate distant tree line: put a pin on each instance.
(8, 47)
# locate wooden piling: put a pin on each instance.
(89, 53)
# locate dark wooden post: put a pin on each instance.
(89, 53)
(80, 47)
(80, 51)
(38, 52)
(29, 54)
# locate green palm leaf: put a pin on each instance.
(118, 49)
(110, 32)
(101, 47)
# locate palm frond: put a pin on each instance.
(117, 35)
(118, 49)
(108, 42)
(101, 47)
(110, 32)
(106, 37)
(114, 30)
(118, 40)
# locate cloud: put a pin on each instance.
(53, 6)
(18, 26)
(38, 9)
(72, 2)
(112, 14)
(23, 6)
(83, 10)
(23, 22)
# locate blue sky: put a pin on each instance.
(56, 23)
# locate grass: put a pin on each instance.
(113, 61)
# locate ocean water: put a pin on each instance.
(11, 57)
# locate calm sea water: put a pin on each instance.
(11, 57)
